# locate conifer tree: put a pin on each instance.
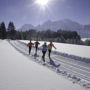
(3, 33)
(0, 32)
(11, 30)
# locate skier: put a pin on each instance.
(50, 48)
(36, 46)
(44, 49)
(30, 46)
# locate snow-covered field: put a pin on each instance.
(70, 49)
(20, 71)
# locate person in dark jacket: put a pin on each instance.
(30, 46)
(44, 49)
(36, 46)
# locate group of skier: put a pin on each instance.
(45, 47)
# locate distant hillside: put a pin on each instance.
(66, 24)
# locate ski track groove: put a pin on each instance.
(77, 70)
(78, 64)
(73, 65)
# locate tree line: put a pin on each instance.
(45, 35)
(7, 33)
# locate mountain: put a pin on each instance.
(26, 27)
(86, 27)
(86, 31)
(66, 24)
(62, 24)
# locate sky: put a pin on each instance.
(28, 12)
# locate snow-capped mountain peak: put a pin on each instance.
(66, 24)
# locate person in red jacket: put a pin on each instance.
(36, 46)
(30, 46)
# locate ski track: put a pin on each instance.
(76, 71)
(79, 63)
(82, 69)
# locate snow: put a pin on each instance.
(76, 50)
(84, 39)
(18, 72)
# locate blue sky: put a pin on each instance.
(27, 12)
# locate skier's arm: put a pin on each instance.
(54, 47)
(38, 43)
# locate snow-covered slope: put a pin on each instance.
(18, 72)
(61, 64)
